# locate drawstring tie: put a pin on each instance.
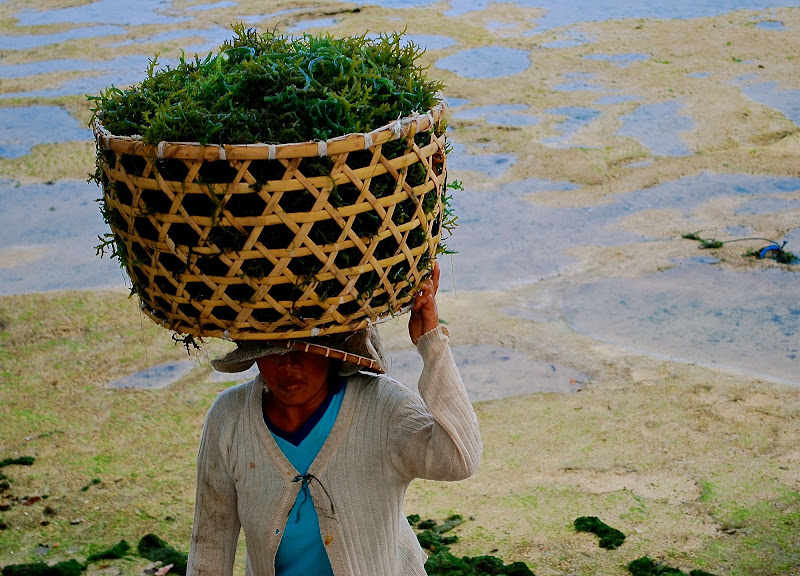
(306, 480)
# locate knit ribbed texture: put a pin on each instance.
(385, 435)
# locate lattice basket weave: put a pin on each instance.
(256, 242)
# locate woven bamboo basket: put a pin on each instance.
(261, 242)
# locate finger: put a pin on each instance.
(435, 276)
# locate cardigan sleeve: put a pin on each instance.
(436, 436)
(215, 531)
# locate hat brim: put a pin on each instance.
(355, 350)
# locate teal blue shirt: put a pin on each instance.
(301, 551)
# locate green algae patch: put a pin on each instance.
(445, 564)
(154, 548)
(442, 563)
(610, 538)
(114, 553)
(645, 566)
(22, 461)
(68, 568)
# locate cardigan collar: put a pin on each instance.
(331, 443)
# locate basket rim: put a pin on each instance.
(354, 141)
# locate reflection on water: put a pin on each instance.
(579, 82)
(487, 62)
(771, 25)
(658, 127)
(210, 39)
(426, 41)
(62, 223)
(560, 13)
(508, 239)
(88, 84)
(156, 377)
(206, 7)
(25, 127)
(430, 41)
(499, 114)
(27, 41)
(616, 99)
(135, 62)
(770, 94)
(747, 321)
(492, 165)
(767, 206)
(491, 372)
(566, 39)
(621, 60)
(304, 25)
(122, 12)
(574, 118)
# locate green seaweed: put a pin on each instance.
(115, 552)
(445, 564)
(705, 243)
(271, 88)
(21, 461)
(610, 538)
(68, 568)
(157, 550)
(645, 566)
(442, 563)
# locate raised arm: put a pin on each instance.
(435, 437)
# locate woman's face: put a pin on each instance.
(295, 378)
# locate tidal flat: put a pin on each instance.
(586, 155)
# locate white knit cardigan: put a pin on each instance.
(384, 436)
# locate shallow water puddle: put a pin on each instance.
(60, 225)
(486, 62)
(491, 164)
(25, 127)
(431, 41)
(500, 114)
(207, 7)
(491, 372)
(771, 25)
(616, 99)
(574, 118)
(700, 314)
(579, 82)
(621, 60)
(91, 84)
(562, 14)
(767, 206)
(72, 64)
(27, 41)
(509, 240)
(565, 39)
(156, 377)
(658, 127)
(209, 40)
(304, 25)
(122, 12)
(768, 93)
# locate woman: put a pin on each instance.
(313, 460)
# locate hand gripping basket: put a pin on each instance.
(261, 242)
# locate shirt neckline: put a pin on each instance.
(296, 438)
